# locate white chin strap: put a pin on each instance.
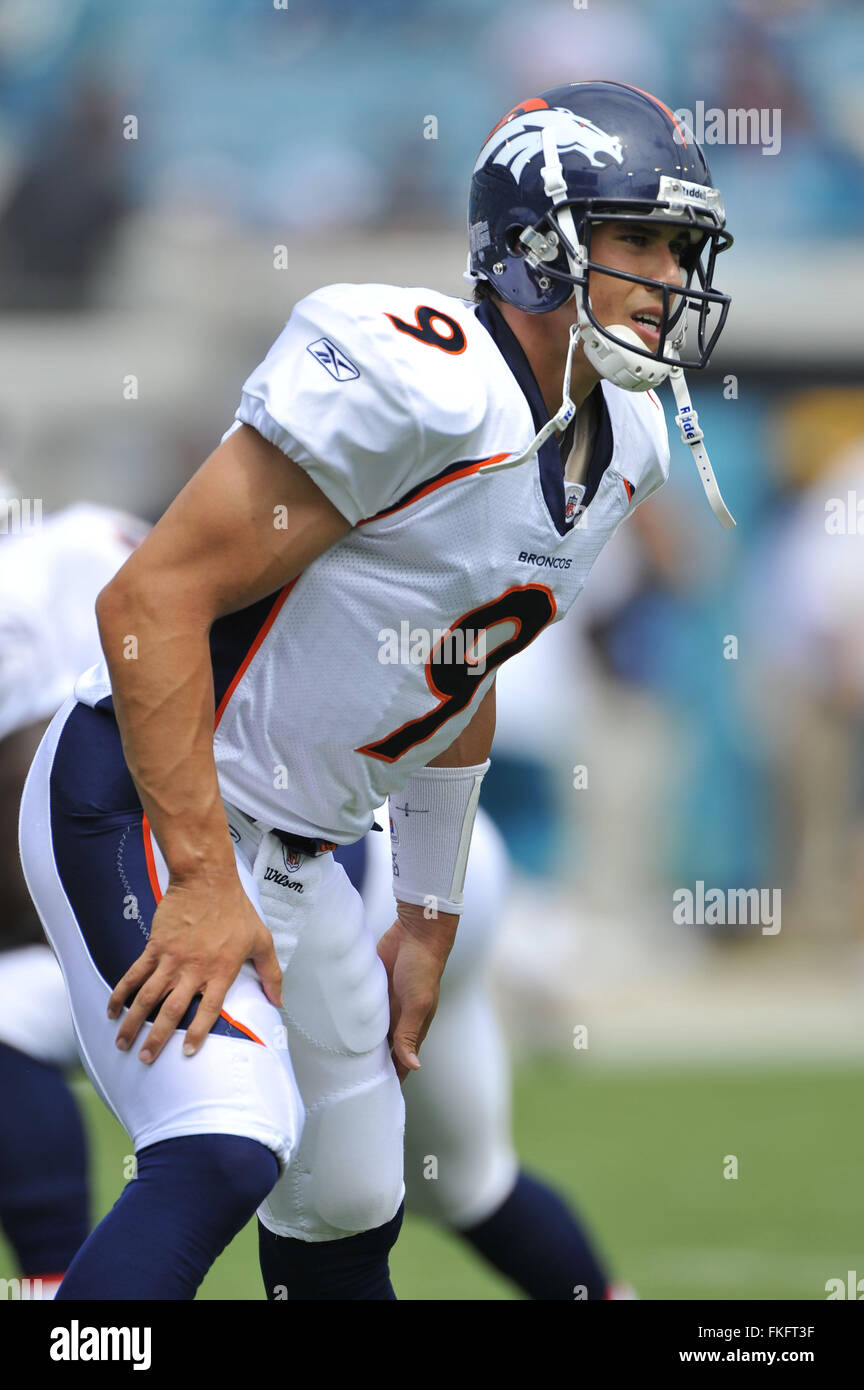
(557, 425)
(617, 364)
(688, 423)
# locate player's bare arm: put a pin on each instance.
(416, 947)
(215, 551)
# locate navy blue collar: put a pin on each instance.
(549, 455)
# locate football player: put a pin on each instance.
(49, 576)
(399, 464)
(49, 580)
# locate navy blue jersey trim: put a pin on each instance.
(413, 492)
(549, 455)
(230, 640)
(601, 454)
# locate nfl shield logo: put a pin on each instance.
(573, 505)
(292, 858)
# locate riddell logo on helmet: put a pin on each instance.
(697, 191)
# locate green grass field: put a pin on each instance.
(642, 1155)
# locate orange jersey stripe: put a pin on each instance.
(157, 894)
(433, 486)
(150, 860)
(235, 1024)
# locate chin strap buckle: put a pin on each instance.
(688, 424)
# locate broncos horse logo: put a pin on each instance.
(515, 142)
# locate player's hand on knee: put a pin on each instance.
(414, 952)
(202, 933)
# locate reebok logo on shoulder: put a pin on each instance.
(333, 361)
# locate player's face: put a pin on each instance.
(640, 248)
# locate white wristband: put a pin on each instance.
(431, 820)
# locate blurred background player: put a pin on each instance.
(807, 628)
(50, 573)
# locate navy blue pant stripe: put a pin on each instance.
(98, 842)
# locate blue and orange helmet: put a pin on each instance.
(621, 156)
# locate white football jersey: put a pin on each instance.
(333, 691)
(50, 575)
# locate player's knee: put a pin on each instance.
(239, 1171)
(246, 1166)
(360, 1206)
(365, 1192)
(459, 1184)
(431, 1192)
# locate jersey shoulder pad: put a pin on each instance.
(372, 389)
